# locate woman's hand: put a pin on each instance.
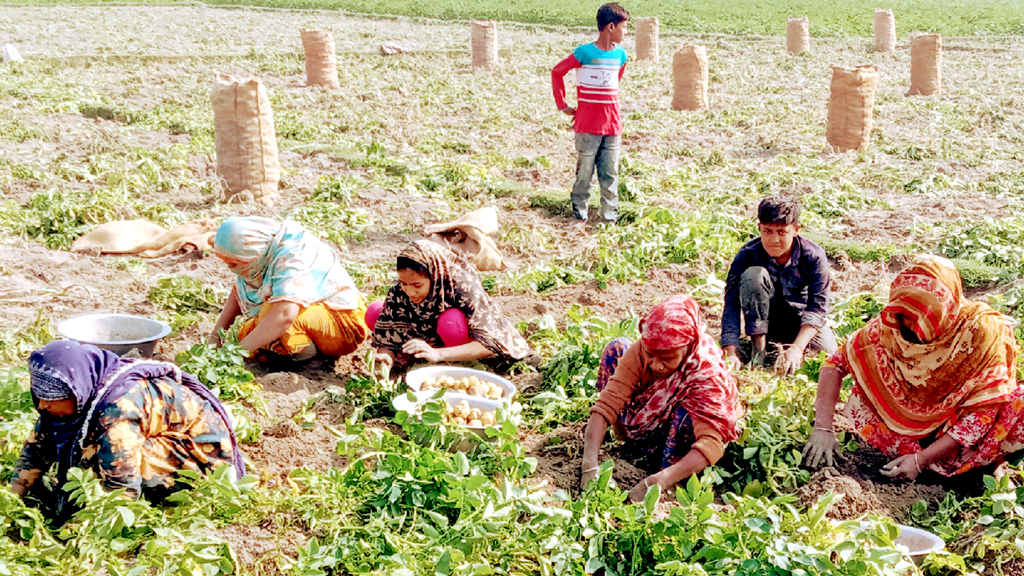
(640, 490)
(821, 448)
(383, 362)
(214, 338)
(421, 350)
(908, 467)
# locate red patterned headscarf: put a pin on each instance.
(964, 356)
(702, 384)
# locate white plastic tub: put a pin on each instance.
(919, 543)
(403, 403)
(415, 378)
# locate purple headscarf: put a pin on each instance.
(94, 377)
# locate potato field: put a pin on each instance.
(109, 117)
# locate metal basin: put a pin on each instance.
(118, 333)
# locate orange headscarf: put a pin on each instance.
(965, 359)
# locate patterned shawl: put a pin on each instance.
(702, 384)
(965, 359)
(453, 284)
(282, 262)
(94, 378)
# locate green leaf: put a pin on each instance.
(651, 498)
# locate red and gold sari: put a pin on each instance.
(935, 363)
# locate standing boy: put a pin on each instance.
(599, 67)
(780, 282)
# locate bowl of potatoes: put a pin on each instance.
(470, 412)
(456, 380)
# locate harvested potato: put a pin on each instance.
(476, 424)
(487, 418)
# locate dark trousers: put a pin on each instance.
(765, 314)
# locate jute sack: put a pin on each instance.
(647, 39)
(851, 107)
(485, 43)
(885, 31)
(244, 137)
(798, 35)
(321, 58)
(690, 78)
(925, 64)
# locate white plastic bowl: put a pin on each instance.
(919, 543)
(403, 403)
(415, 378)
(118, 333)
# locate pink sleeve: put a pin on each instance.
(558, 79)
(622, 71)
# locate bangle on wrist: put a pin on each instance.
(823, 429)
(591, 469)
(917, 462)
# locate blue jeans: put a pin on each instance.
(601, 152)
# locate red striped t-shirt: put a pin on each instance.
(597, 88)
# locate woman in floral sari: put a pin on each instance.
(434, 281)
(135, 423)
(934, 380)
(669, 396)
(295, 295)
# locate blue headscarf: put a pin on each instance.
(282, 262)
(95, 377)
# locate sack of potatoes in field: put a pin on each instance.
(885, 31)
(798, 35)
(647, 39)
(321, 58)
(925, 64)
(851, 107)
(484, 43)
(690, 78)
(244, 138)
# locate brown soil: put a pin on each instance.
(853, 499)
(285, 445)
(560, 457)
(264, 549)
(864, 490)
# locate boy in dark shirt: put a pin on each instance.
(780, 283)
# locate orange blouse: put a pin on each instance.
(632, 374)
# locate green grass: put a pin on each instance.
(848, 18)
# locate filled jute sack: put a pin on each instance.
(321, 58)
(885, 31)
(925, 64)
(798, 35)
(647, 39)
(690, 78)
(851, 107)
(485, 43)
(244, 137)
